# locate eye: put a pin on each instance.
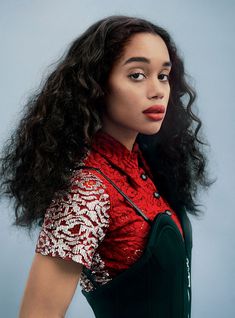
(135, 76)
(164, 77)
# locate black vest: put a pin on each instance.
(158, 284)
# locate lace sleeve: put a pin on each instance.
(75, 224)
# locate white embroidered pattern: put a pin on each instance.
(75, 224)
(100, 275)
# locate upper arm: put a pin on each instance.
(50, 287)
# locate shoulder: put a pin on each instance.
(76, 222)
(88, 180)
(84, 205)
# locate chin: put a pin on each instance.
(150, 130)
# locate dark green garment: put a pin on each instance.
(158, 284)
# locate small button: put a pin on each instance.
(144, 176)
(156, 195)
(168, 212)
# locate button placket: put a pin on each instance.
(156, 195)
(144, 176)
(168, 212)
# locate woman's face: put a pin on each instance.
(138, 80)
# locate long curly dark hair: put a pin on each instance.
(61, 118)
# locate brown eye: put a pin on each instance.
(135, 76)
(164, 77)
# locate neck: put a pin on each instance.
(125, 138)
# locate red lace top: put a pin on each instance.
(93, 224)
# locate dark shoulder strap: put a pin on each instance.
(139, 212)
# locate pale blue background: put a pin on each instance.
(33, 34)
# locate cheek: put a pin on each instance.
(122, 96)
(167, 94)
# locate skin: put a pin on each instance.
(130, 94)
(50, 287)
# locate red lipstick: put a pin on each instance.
(155, 112)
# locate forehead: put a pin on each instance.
(148, 45)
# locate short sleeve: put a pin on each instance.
(76, 223)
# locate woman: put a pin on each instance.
(108, 160)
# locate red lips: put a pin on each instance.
(155, 109)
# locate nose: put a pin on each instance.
(155, 89)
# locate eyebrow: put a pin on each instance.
(144, 60)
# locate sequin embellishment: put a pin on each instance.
(75, 224)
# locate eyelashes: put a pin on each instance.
(166, 77)
(135, 77)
